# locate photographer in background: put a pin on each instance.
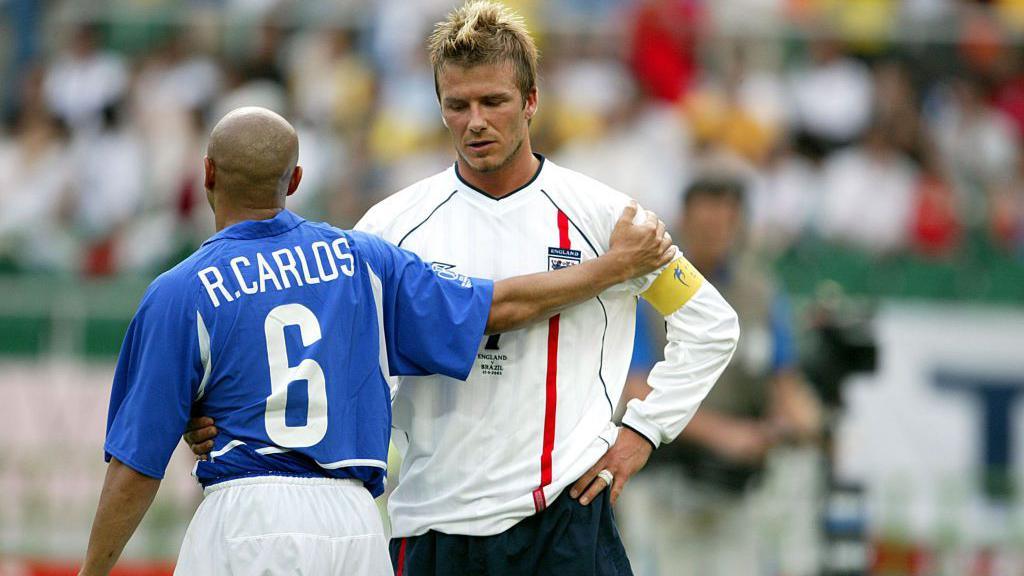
(698, 508)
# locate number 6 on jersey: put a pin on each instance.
(281, 375)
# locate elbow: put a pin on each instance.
(729, 332)
(732, 330)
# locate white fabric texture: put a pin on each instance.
(280, 525)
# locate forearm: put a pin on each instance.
(702, 338)
(794, 407)
(125, 497)
(707, 426)
(521, 300)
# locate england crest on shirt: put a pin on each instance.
(559, 258)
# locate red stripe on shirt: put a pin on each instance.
(551, 385)
(400, 568)
(563, 230)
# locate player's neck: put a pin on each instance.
(505, 180)
(226, 216)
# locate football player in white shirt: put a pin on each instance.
(486, 462)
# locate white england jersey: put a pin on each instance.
(536, 410)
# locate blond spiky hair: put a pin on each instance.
(485, 32)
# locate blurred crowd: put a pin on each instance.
(886, 126)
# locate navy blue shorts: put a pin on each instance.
(565, 539)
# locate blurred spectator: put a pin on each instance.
(1006, 213)
(263, 59)
(743, 114)
(329, 80)
(172, 218)
(243, 90)
(1008, 90)
(831, 98)
(783, 199)
(177, 85)
(84, 80)
(587, 87)
(867, 195)
(663, 53)
(178, 76)
(645, 153)
(37, 195)
(895, 107)
(976, 142)
(694, 508)
(108, 199)
(935, 221)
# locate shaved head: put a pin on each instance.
(251, 157)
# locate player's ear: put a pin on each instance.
(530, 106)
(293, 184)
(210, 173)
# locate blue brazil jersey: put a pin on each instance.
(283, 330)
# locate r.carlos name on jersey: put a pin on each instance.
(281, 269)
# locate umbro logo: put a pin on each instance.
(447, 271)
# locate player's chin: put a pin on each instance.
(486, 163)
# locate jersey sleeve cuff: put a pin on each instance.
(642, 435)
(484, 295)
(110, 452)
(647, 431)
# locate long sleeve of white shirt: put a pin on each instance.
(702, 336)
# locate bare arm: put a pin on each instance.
(794, 416)
(124, 500)
(795, 409)
(635, 250)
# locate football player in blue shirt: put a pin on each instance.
(285, 331)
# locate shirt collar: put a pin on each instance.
(284, 221)
(528, 184)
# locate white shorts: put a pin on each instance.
(271, 525)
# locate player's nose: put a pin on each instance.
(477, 123)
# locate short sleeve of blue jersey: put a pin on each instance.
(433, 322)
(158, 373)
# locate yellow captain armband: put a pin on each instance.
(674, 287)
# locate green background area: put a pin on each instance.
(87, 318)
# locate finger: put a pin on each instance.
(201, 435)
(202, 457)
(586, 479)
(652, 219)
(197, 423)
(203, 448)
(659, 232)
(617, 485)
(629, 212)
(667, 256)
(666, 241)
(592, 492)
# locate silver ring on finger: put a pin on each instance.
(607, 476)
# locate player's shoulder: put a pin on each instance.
(394, 216)
(591, 205)
(570, 184)
(366, 243)
(179, 285)
(359, 243)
